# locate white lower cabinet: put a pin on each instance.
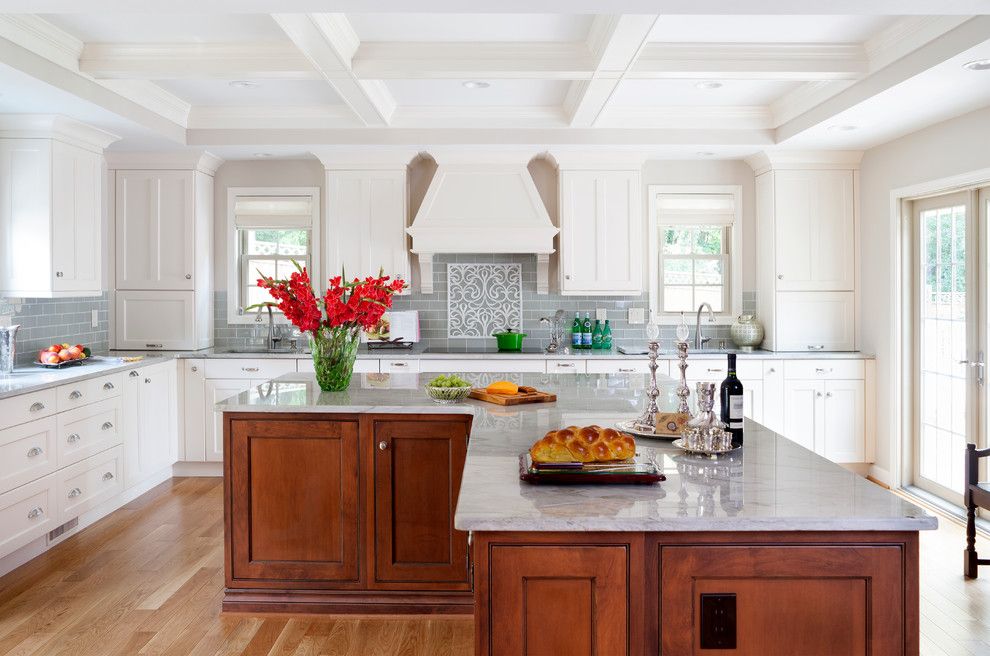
(828, 417)
(803, 420)
(27, 452)
(88, 430)
(88, 483)
(216, 391)
(361, 366)
(773, 396)
(150, 421)
(194, 417)
(565, 367)
(27, 513)
(753, 400)
(626, 367)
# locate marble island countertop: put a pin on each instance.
(772, 484)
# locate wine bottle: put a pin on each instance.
(596, 336)
(576, 331)
(732, 402)
(607, 337)
(586, 331)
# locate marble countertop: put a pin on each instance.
(33, 379)
(772, 484)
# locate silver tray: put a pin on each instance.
(679, 443)
(62, 365)
(627, 427)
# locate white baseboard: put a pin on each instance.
(880, 475)
(34, 549)
(197, 469)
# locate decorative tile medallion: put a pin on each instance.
(483, 298)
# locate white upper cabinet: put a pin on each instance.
(51, 208)
(366, 223)
(601, 232)
(156, 230)
(815, 230)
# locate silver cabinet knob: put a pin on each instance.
(819, 395)
(35, 513)
(771, 370)
(188, 276)
(567, 277)
(35, 451)
(74, 492)
(73, 438)
(194, 368)
(828, 395)
(134, 374)
(108, 386)
(106, 426)
(382, 445)
(147, 380)
(108, 476)
(75, 394)
(59, 274)
(37, 406)
(780, 276)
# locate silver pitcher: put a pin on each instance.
(8, 348)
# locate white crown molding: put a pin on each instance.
(804, 159)
(577, 159)
(152, 97)
(690, 117)
(203, 117)
(165, 61)
(905, 36)
(365, 159)
(186, 160)
(55, 126)
(764, 61)
(42, 38)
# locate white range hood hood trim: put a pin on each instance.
(455, 217)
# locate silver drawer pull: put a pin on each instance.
(816, 347)
(398, 364)
(73, 438)
(37, 406)
(108, 476)
(715, 371)
(567, 365)
(134, 374)
(623, 370)
(35, 451)
(75, 394)
(74, 492)
(153, 345)
(108, 386)
(249, 369)
(106, 426)
(382, 445)
(35, 513)
(819, 370)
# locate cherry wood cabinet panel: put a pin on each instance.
(295, 506)
(417, 476)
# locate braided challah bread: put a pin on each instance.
(588, 444)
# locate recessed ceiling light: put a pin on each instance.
(978, 65)
(243, 84)
(708, 85)
(704, 153)
(841, 128)
(475, 84)
(262, 154)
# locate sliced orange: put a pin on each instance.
(503, 387)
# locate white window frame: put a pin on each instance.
(733, 255)
(234, 314)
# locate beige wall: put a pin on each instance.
(257, 173)
(958, 146)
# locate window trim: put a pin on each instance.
(234, 315)
(734, 250)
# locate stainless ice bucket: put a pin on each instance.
(8, 348)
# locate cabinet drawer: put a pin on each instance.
(88, 430)
(26, 407)
(566, 367)
(88, 391)
(624, 366)
(27, 452)
(254, 369)
(87, 484)
(398, 365)
(27, 513)
(824, 370)
(469, 366)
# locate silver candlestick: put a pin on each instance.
(682, 390)
(647, 422)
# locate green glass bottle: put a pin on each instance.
(607, 337)
(596, 335)
(586, 331)
(576, 331)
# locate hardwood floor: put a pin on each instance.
(148, 580)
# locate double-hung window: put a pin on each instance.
(695, 250)
(269, 229)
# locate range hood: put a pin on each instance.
(482, 203)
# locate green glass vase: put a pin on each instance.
(334, 352)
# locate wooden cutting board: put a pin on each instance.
(525, 395)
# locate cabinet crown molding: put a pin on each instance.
(199, 160)
(590, 160)
(805, 159)
(365, 159)
(55, 126)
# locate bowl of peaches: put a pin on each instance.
(57, 356)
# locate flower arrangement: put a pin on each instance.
(335, 320)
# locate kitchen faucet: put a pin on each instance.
(274, 332)
(699, 341)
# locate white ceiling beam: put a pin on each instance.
(615, 43)
(762, 61)
(329, 42)
(169, 61)
(966, 35)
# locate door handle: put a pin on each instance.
(976, 364)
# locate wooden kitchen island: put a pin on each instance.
(345, 503)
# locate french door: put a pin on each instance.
(950, 296)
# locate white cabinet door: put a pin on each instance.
(773, 396)
(601, 235)
(77, 218)
(150, 422)
(816, 321)
(803, 422)
(366, 223)
(195, 417)
(216, 391)
(155, 217)
(156, 320)
(361, 366)
(815, 230)
(753, 400)
(25, 230)
(844, 433)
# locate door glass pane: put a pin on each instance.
(942, 339)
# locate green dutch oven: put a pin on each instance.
(509, 340)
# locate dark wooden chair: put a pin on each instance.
(977, 495)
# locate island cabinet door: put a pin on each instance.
(293, 495)
(418, 466)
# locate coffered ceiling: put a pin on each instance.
(671, 83)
